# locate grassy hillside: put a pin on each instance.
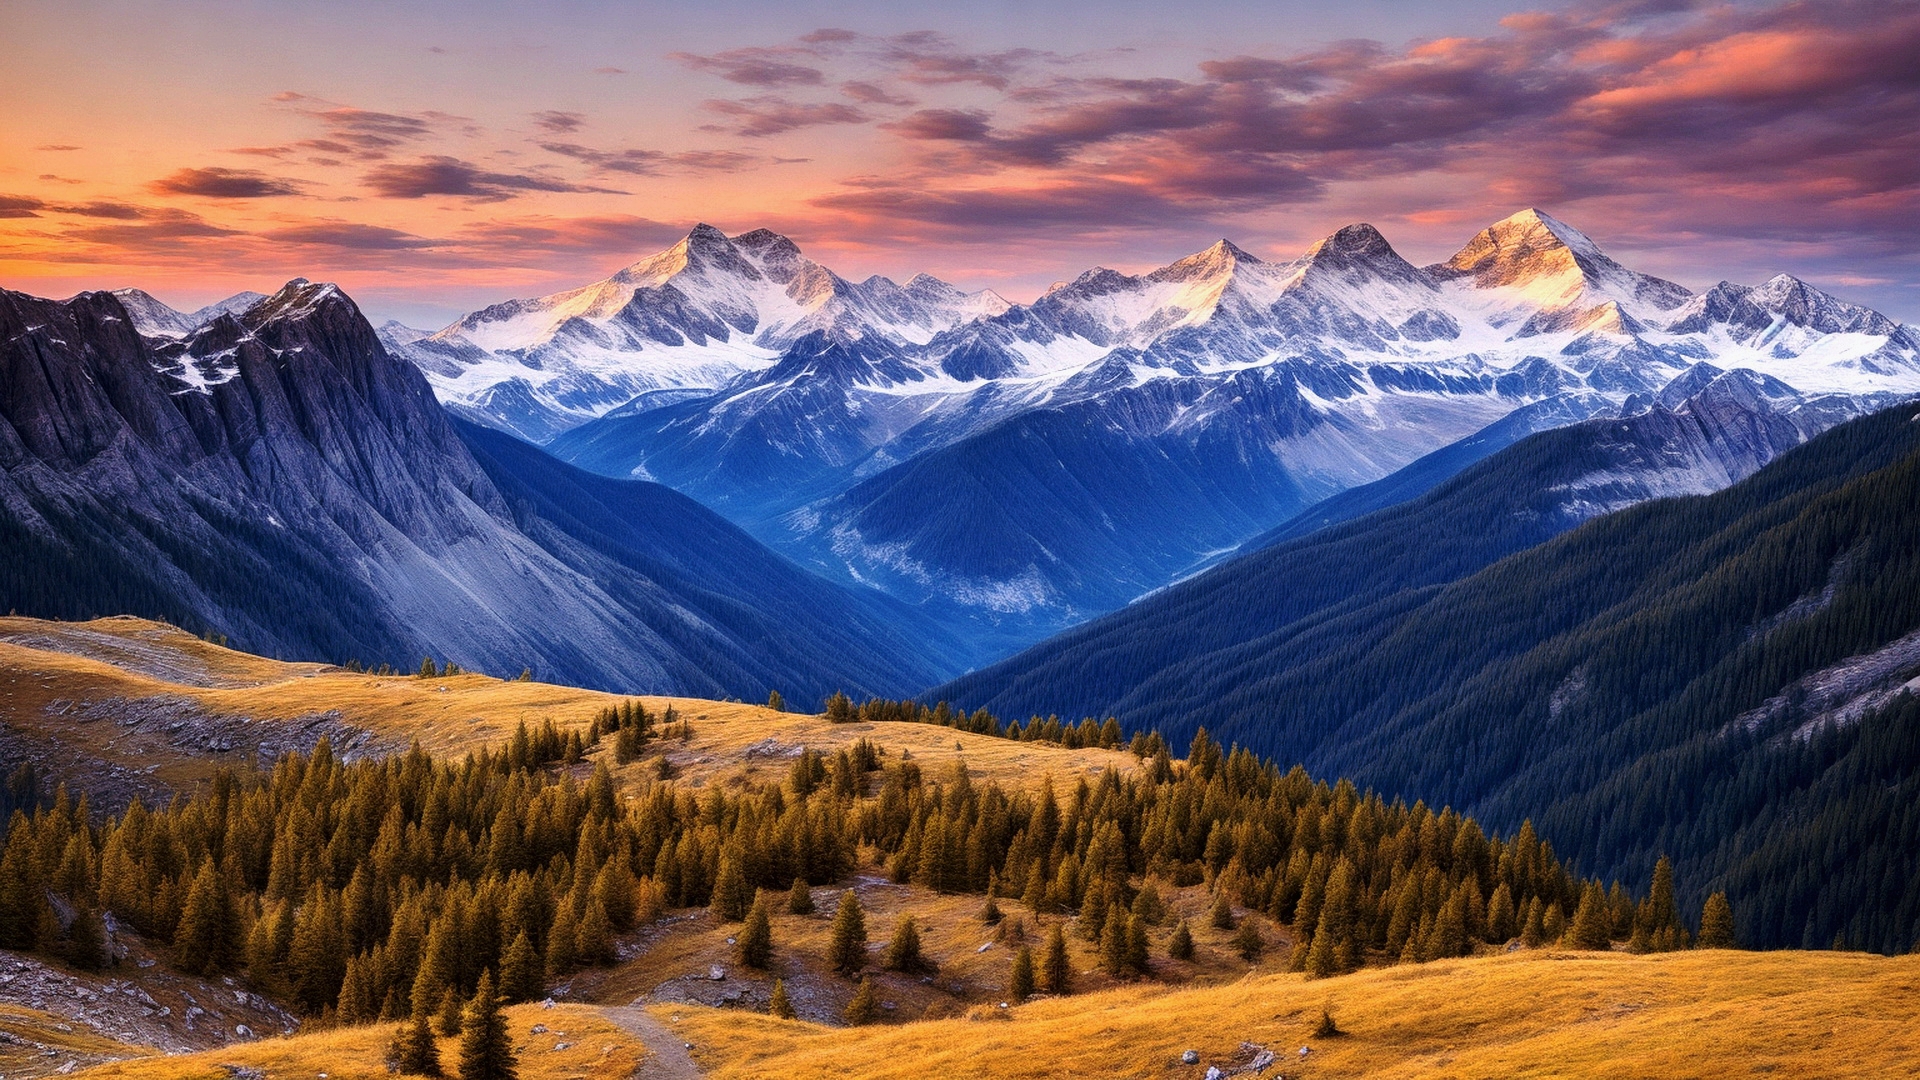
(1706, 1014)
(577, 1041)
(71, 689)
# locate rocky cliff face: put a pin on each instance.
(275, 475)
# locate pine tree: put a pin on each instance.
(800, 898)
(1020, 983)
(593, 941)
(779, 1005)
(1500, 915)
(447, 1021)
(414, 1051)
(1221, 914)
(1248, 942)
(775, 702)
(1322, 956)
(754, 944)
(1137, 954)
(731, 894)
(486, 1050)
(847, 952)
(1591, 928)
(1113, 942)
(863, 1008)
(903, 952)
(207, 939)
(839, 709)
(1534, 933)
(1056, 972)
(1716, 923)
(1180, 945)
(990, 912)
(86, 945)
(520, 971)
(562, 940)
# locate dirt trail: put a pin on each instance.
(667, 1057)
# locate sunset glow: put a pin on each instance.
(457, 155)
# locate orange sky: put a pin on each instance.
(454, 155)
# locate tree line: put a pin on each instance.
(390, 889)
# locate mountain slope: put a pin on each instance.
(278, 477)
(1288, 381)
(1728, 644)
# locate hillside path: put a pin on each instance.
(667, 1057)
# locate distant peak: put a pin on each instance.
(763, 242)
(1359, 242)
(1221, 258)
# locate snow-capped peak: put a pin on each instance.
(1531, 265)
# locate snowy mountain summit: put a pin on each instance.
(692, 317)
(1047, 460)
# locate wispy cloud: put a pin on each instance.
(219, 183)
(441, 175)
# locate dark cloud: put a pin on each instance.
(636, 162)
(870, 94)
(440, 175)
(56, 147)
(158, 232)
(219, 183)
(1798, 119)
(956, 125)
(652, 162)
(350, 236)
(559, 123)
(769, 115)
(101, 208)
(755, 66)
(367, 134)
(20, 206)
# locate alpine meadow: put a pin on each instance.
(751, 540)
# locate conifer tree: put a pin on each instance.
(563, 939)
(775, 703)
(207, 939)
(86, 945)
(1248, 942)
(1716, 923)
(779, 1005)
(1020, 982)
(839, 709)
(1113, 942)
(863, 1007)
(1322, 955)
(1500, 915)
(800, 898)
(754, 944)
(1534, 933)
(1056, 972)
(593, 940)
(847, 950)
(447, 1021)
(903, 952)
(486, 1050)
(1591, 927)
(1180, 945)
(414, 1051)
(1137, 955)
(731, 893)
(520, 971)
(1221, 914)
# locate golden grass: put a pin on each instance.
(32, 1033)
(128, 658)
(596, 1048)
(1551, 1014)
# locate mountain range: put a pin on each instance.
(266, 470)
(1018, 468)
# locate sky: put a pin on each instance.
(433, 158)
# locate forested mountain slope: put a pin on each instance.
(1713, 677)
